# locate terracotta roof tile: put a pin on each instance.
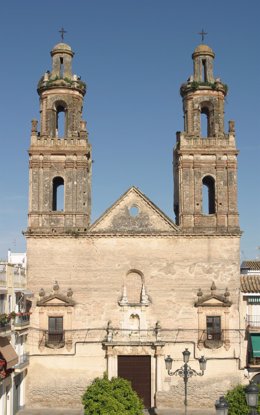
(251, 265)
(250, 283)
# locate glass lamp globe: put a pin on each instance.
(186, 356)
(252, 395)
(203, 363)
(221, 406)
(168, 362)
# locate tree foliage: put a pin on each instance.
(111, 397)
(236, 399)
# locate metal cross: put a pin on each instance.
(202, 34)
(62, 31)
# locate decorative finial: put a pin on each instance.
(62, 31)
(202, 34)
(56, 286)
(227, 293)
(144, 296)
(69, 292)
(109, 331)
(213, 287)
(199, 293)
(124, 299)
(41, 292)
(34, 126)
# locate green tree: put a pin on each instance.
(111, 397)
(236, 399)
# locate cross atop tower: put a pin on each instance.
(202, 34)
(62, 31)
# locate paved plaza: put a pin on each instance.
(67, 411)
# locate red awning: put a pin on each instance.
(8, 352)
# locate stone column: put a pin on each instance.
(158, 367)
(110, 362)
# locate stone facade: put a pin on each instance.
(133, 283)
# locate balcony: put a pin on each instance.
(213, 339)
(21, 321)
(253, 322)
(54, 340)
(5, 325)
(3, 274)
(23, 362)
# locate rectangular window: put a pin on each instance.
(2, 303)
(214, 328)
(55, 330)
(10, 304)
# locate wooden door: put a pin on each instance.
(137, 369)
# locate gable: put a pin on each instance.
(55, 300)
(133, 213)
(212, 302)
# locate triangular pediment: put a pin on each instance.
(55, 300)
(133, 213)
(213, 301)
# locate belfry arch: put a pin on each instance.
(61, 119)
(206, 119)
(208, 195)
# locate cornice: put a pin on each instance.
(84, 235)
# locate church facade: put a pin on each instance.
(121, 294)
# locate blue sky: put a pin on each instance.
(133, 54)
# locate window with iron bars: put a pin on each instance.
(213, 328)
(55, 330)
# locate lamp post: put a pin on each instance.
(252, 397)
(185, 371)
(221, 406)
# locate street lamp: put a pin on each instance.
(221, 406)
(252, 397)
(185, 371)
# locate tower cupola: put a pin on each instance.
(62, 55)
(203, 94)
(203, 57)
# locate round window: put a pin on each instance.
(134, 211)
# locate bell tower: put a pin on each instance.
(60, 153)
(205, 157)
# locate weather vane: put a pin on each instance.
(202, 34)
(62, 31)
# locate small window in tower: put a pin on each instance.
(204, 71)
(58, 194)
(208, 195)
(61, 122)
(61, 68)
(204, 122)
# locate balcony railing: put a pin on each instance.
(5, 325)
(22, 319)
(23, 361)
(253, 321)
(213, 339)
(54, 340)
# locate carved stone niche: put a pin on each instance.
(55, 305)
(134, 302)
(134, 290)
(213, 305)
